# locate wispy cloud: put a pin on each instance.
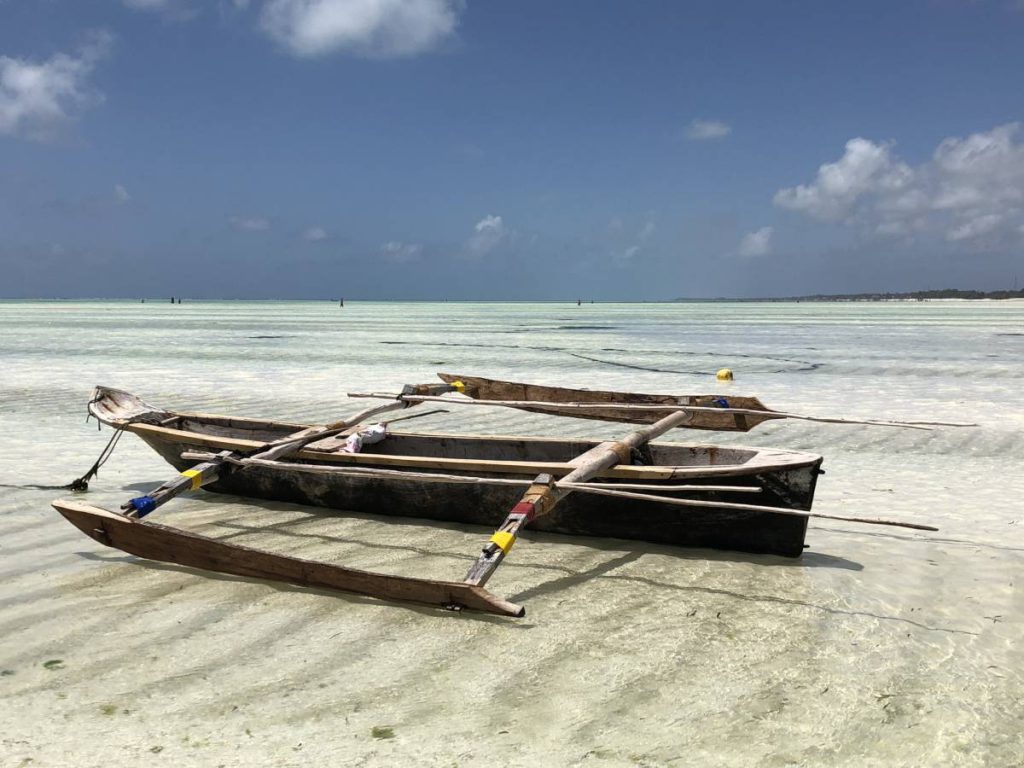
(622, 254)
(314, 234)
(626, 256)
(121, 194)
(971, 189)
(373, 28)
(147, 5)
(173, 10)
(488, 234)
(707, 130)
(249, 223)
(37, 99)
(401, 253)
(756, 243)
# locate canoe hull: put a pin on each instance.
(480, 388)
(486, 504)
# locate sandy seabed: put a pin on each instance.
(880, 647)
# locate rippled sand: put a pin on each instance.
(880, 647)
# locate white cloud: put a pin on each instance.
(864, 167)
(970, 189)
(121, 194)
(314, 234)
(374, 28)
(756, 243)
(249, 223)
(705, 130)
(401, 253)
(647, 230)
(489, 233)
(38, 99)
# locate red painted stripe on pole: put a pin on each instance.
(527, 508)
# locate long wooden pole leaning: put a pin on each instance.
(542, 497)
(568, 409)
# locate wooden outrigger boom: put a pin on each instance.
(541, 497)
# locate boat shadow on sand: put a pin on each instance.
(563, 578)
(630, 548)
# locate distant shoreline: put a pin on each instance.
(945, 294)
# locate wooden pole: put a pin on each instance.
(587, 488)
(627, 407)
(442, 477)
(542, 497)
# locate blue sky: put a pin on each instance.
(429, 149)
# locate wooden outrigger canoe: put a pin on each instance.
(465, 478)
(730, 498)
(744, 499)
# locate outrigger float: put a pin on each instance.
(729, 498)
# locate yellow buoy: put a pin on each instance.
(724, 374)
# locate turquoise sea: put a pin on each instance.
(880, 647)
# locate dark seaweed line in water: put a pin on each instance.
(639, 367)
(709, 354)
(470, 344)
(807, 364)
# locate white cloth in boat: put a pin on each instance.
(372, 434)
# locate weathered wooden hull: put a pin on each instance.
(485, 503)
(481, 388)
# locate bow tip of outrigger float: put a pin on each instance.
(86, 518)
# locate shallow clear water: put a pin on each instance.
(880, 647)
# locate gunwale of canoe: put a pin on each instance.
(117, 407)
